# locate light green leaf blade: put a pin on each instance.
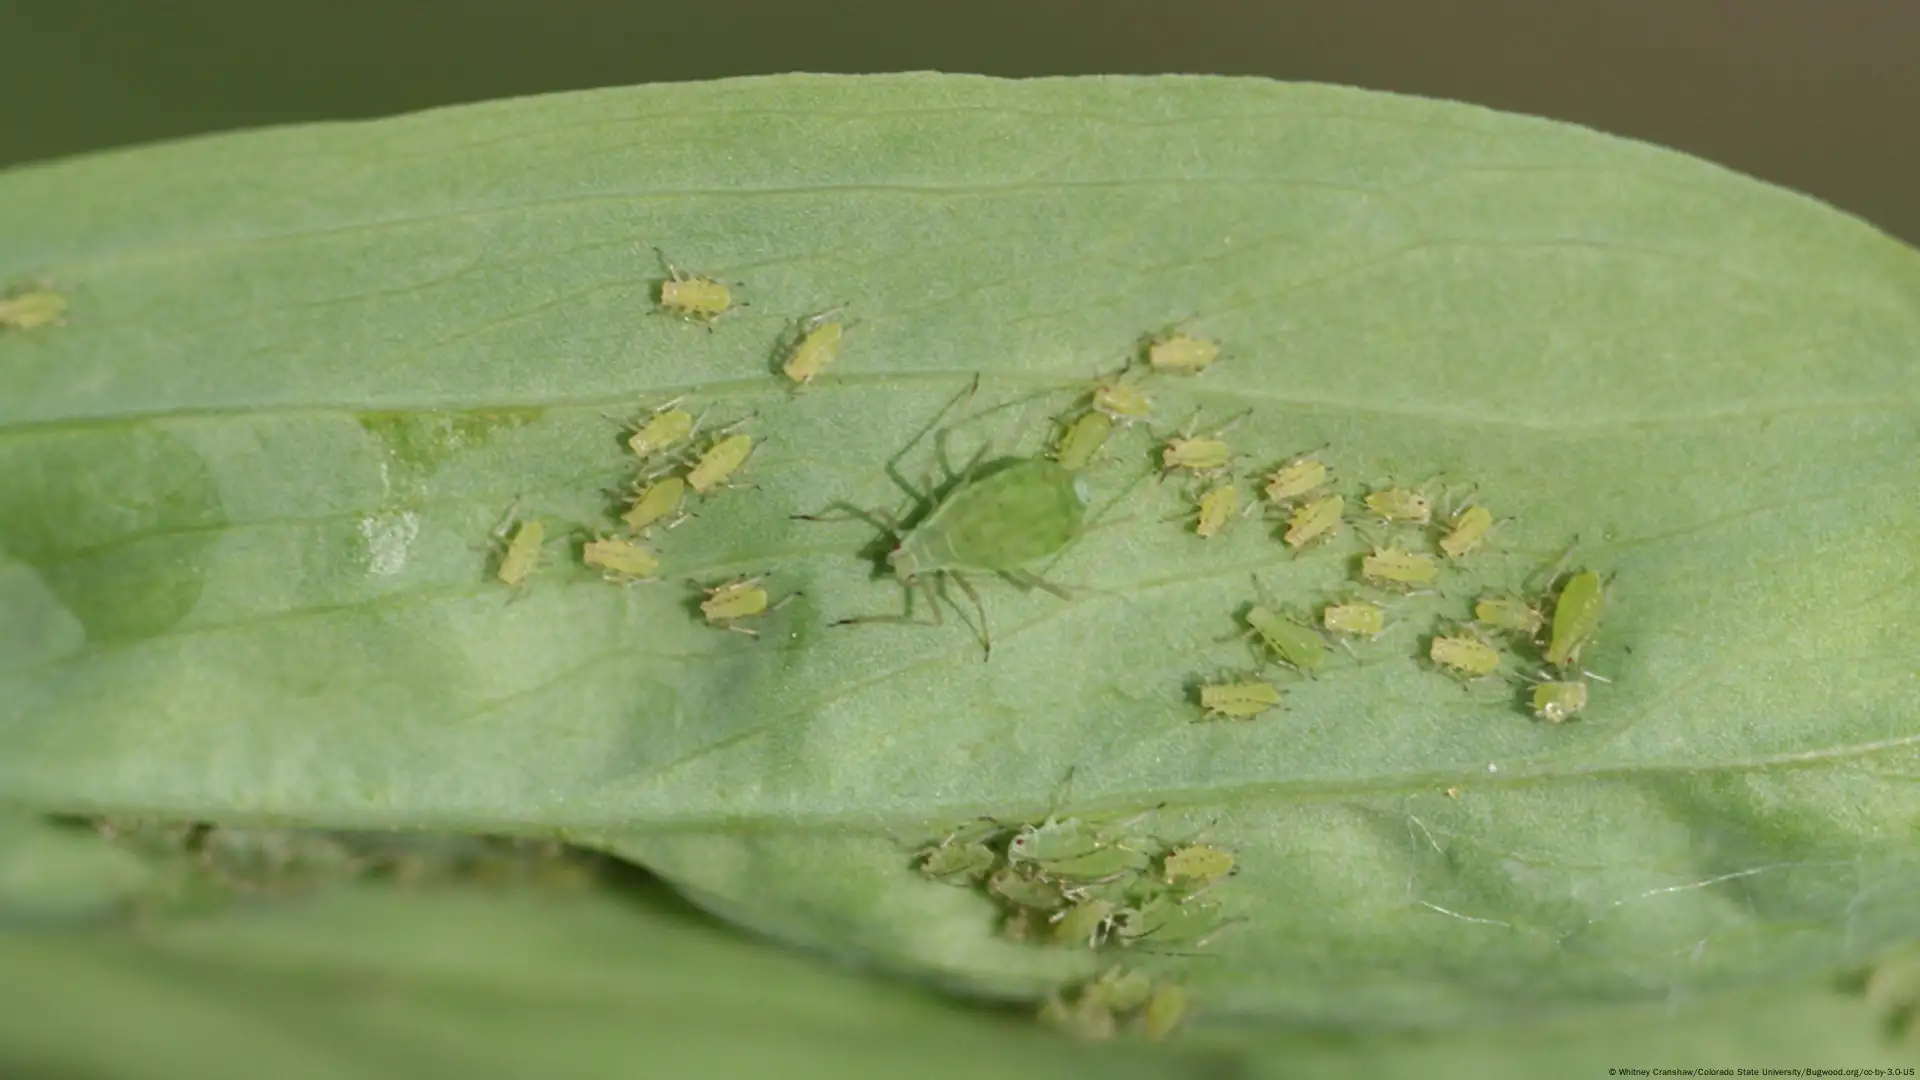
(464, 984)
(241, 493)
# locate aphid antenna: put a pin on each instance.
(893, 463)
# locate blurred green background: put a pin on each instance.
(1816, 96)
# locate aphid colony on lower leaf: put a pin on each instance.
(1087, 881)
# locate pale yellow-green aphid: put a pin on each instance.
(1239, 700)
(1181, 353)
(656, 502)
(1399, 567)
(1313, 521)
(1216, 508)
(693, 297)
(1356, 618)
(742, 598)
(1465, 654)
(1467, 531)
(719, 463)
(1296, 479)
(522, 552)
(817, 346)
(624, 561)
(32, 309)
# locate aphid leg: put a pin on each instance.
(986, 639)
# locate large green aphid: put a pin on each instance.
(1002, 517)
(1576, 615)
(1298, 646)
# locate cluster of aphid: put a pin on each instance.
(1554, 627)
(1092, 883)
(31, 307)
(675, 459)
(1301, 495)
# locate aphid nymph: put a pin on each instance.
(693, 297)
(624, 561)
(1180, 353)
(31, 309)
(816, 345)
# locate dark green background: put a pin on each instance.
(1818, 96)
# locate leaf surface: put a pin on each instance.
(246, 490)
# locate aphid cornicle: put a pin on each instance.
(31, 309)
(693, 297)
(816, 346)
(1576, 615)
(624, 561)
(1238, 700)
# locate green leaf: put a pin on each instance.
(370, 980)
(380, 983)
(245, 489)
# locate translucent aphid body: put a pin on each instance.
(656, 502)
(1399, 567)
(1314, 521)
(742, 598)
(1357, 618)
(1576, 615)
(1559, 701)
(1082, 439)
(623, 560)
(1239, 700)
(719, 463)
(1120, 399)
(1465, 654)
(1466, 532)
(666, 427)
(1400, 506)
(694, 297)
(817, 346)
(1181, 354)
(1299, 647)
(1296, 479)
(1509, 614)
(1216, 508)
(522, 554)
(32, 309)
(1196, 865)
